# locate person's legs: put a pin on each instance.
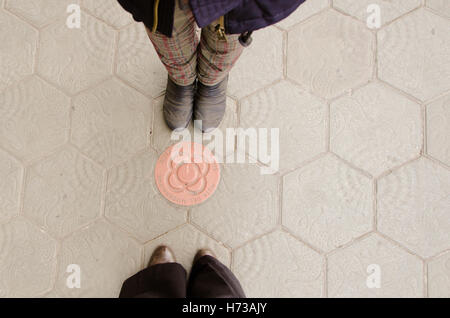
(163, 278)
(179, 56)
(216, 57)
(209, 278)
(179, 53)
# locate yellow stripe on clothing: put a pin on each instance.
(155, 16)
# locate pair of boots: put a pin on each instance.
(202, 102)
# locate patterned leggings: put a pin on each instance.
(186, 59)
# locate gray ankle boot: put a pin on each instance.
(210, 104)
(178, 105)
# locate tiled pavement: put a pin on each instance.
(364, 118)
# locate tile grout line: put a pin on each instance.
(24, 178)
(328, 127)
(398, 244)
(116, 52)
(325, 276)
(375, 204)
(424, 112)
(285, 44)
(425, 278)
(302, 241)
(350, 243)
(436, 161)
(308, 19)
(104, 193)
(280, 200)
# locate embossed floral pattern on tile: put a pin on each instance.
(259, 65)
(376, 129)
(34, 118)
(244, 205)
(277, 265)
(413, 54)
(300, 117)
(439, 277)
(17, 52)
(438, 126)
(106, 257)
(75, 59)
(374, 267)
(306, 10)
(109, 11)
(28, 260)
(39, 12)
(134, 203)
(441, 6)
(10, 186)
(330, 54)
(63, 192)
(137, 62)
(413, 207)
(111, 122)
(327, 203)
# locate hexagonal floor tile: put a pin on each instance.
(162, 135)
(39, 12)
(11, 173)
(16, 52)
(106, 257)
(376, 129)
(138, 63)
(259, 65)
(441, 6)
(389, 10)
(330, 53)
(245, 205)
(111, 122)
(413, 54)
(185, 242)
(300, 117)
(134, 203)
(355, 270)
(413, 207)
(75, 59)
(34, 119)
(109, 11)
(439, 277)
(28, 261)
(438, 129)
(277, 265)
(63, 192)
(303, 12)
(327, 203)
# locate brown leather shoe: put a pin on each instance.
(161, 255)
(203, 252)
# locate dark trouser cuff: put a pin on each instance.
(158, 281)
